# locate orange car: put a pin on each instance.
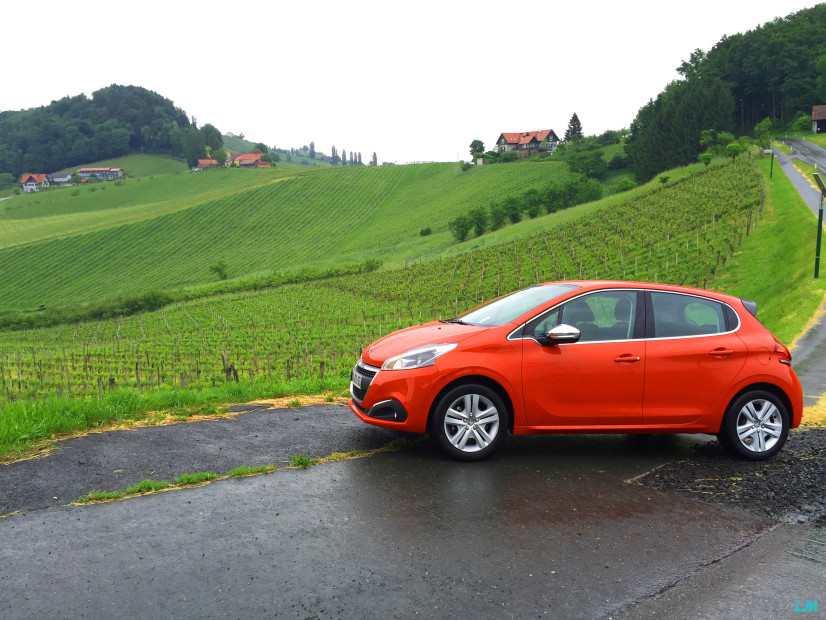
(585, 357)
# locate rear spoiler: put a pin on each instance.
(751, 306)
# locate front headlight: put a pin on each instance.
(418, 357)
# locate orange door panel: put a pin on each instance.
(583, 384)
(684, 376)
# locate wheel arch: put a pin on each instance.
(766, 387)
(471, 379)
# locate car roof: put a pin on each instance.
(594, 285)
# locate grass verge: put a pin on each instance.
(25, 423)
(302, 461)
(775, 264)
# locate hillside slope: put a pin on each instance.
(323, 217)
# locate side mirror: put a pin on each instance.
(562, 334)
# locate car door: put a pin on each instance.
(692, 356)
(597, 381)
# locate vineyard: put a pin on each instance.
(682, 233)
(323, 217)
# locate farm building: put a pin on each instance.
(102, 174)
(58, 178)
(528, 142)
(818, 119)
(247, 160)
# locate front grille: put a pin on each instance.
(360, 380)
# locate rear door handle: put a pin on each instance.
(720, 352)
(627, 358)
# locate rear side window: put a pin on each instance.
(678, 315)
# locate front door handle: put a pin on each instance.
(720, 352)
(627, 358)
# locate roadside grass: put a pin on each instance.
(781, 146)
(775, 263)
(24, 424)
(296, 462)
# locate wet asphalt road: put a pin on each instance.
(546, 529)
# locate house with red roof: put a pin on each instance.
(819, 119)
(528, 142)
(207, 163)
(31, 182)
(246, 160)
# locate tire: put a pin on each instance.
(470, 422)
(756, 426)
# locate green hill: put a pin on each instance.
(681, 233)
(325, 217)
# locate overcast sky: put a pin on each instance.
(413, 81)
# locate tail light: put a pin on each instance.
(784, 356)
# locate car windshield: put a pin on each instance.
(506, 309)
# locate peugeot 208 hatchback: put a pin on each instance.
(585, 357)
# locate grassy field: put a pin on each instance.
(775, 264)
(324, 217)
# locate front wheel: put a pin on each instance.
(470, 422)
(756, 426)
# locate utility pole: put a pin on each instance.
(822, 187)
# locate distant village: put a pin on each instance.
(33, 182)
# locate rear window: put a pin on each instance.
(678, 315)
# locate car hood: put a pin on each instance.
(417, 336)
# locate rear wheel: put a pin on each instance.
(470, 422)
(756, 426)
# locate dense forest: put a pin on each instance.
(117, 120)
(776, 71)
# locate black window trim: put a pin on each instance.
(639, 323)
(649, 316)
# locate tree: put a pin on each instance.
(476, 147)
(359, 159)
(532, 202)
(762, 133)
(312, 150)
(334, 158)
(513, 209)
(260, 148)
(589, 163)
(574, 133)
(212, 137)
(498, 216)
(460, 227)
(733, 149)
(195, 148)
(343, 157)
(375, 161)
(220, 155)
(479, 219)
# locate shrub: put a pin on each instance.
(424, 232)
(508, 156)
(623, 185)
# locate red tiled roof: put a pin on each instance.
(526, 136)
(39, 178)
(96, 169)
(207, 162)
(819, 113)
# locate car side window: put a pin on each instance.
(607, 315)
(546, 324)
(684, 315)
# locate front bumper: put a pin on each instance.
(391, 398)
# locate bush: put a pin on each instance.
(623, 185)
(460, 227)
(508, 156)
(424, 232)
(466, 165)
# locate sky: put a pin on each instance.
(410, 81)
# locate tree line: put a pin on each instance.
(776, 71)
(115, 121)
(575, 189)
